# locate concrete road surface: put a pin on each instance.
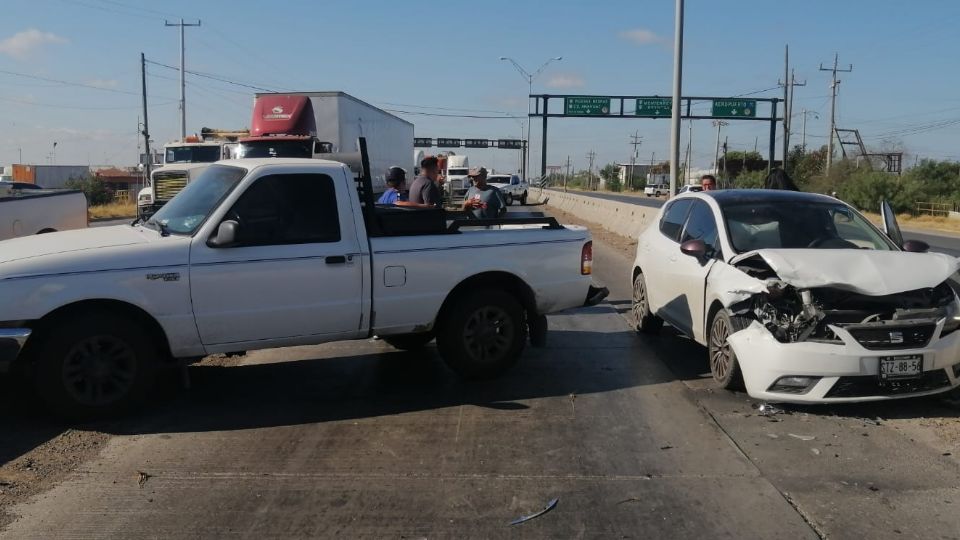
(355, 439)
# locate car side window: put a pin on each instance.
(287, 209)
(701, 225)
(673, 217)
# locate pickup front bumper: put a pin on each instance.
(12, 341)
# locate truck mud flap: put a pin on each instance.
(595, 295)
(538, 330)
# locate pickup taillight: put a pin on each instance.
(586, 259)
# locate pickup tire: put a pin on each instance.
(482, 333)
(94, 365)
(509, 199)
(523, 199)
(409, 342)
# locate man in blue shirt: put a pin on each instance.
(395, 180)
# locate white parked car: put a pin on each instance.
(799, 298)
(261, 253)
(656, 190)
(512, 187)
(690, 188)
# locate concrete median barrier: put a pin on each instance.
(617, 217)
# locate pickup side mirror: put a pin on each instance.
(916, 246)
(694, 248)
(226, 235)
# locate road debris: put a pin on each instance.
(667, 447)
(802, 437)
(142, 478)
(631, 499)
(766, 409)
(815, 451)
(773, 435)
(550, 506)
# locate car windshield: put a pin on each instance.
(797, 225)
(187, 211)
(498, 179)
(192, 154)
(458, 172)
(270, 149)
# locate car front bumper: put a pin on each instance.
(847, 372)
(12, 341)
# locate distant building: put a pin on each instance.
(125, 183)
(48, 176)
(639, 173)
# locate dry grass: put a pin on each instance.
(929, 223)
(113, 211)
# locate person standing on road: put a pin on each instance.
(708, 182)
(395, 180)
(424, 191)
(484, 200)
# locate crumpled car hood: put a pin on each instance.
(869, 272)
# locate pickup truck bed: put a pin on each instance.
(29, 212)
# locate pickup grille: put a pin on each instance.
(166, 186)
(878, 338)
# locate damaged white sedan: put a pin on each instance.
(798, 298)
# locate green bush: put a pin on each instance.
(750, 180)
(96, 190)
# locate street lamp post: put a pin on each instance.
(529, 78)
(716, 153)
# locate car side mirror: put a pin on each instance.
(694, 248)
(916, 246)
(226, 235)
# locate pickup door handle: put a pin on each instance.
(336, 259)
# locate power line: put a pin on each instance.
(447, 108)
(35, 104)
(68, 83)
(421, 113)
(214, 77)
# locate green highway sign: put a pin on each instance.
(586, 106)
(655, 106)
(735, 108)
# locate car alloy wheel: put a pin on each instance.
(488, 334)
(720, 352)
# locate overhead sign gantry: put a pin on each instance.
(584, 106)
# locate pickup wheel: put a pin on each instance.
(644, 321)
(483, 334)
(409, 342)
(509, 199)
(94, 365)
(523, 199)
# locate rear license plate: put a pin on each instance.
(901, 367)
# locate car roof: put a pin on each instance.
(731, 197)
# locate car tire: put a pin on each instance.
(724, 366)
(644, 321)
(94, 365)
(409, 342)
(509, 199)
(523, 199)
(482, 334)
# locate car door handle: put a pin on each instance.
(336, 259)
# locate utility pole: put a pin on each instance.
(566, 176)
(636, 140)
(183, 84)
(146, 129)
(675, 109)
(591, 155)
(686, 173)
(716, 153)
(789, 83)
(54, 154)
(834, 82)
(724, 156)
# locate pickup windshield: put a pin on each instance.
(192, 154)
(816, 225)
(189, 209)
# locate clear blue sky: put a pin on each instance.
(434, 56)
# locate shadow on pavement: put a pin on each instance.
(355, 386)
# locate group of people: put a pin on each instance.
(426, 191)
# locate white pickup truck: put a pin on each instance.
(512, 187)
(263, 253)
(25, 212)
